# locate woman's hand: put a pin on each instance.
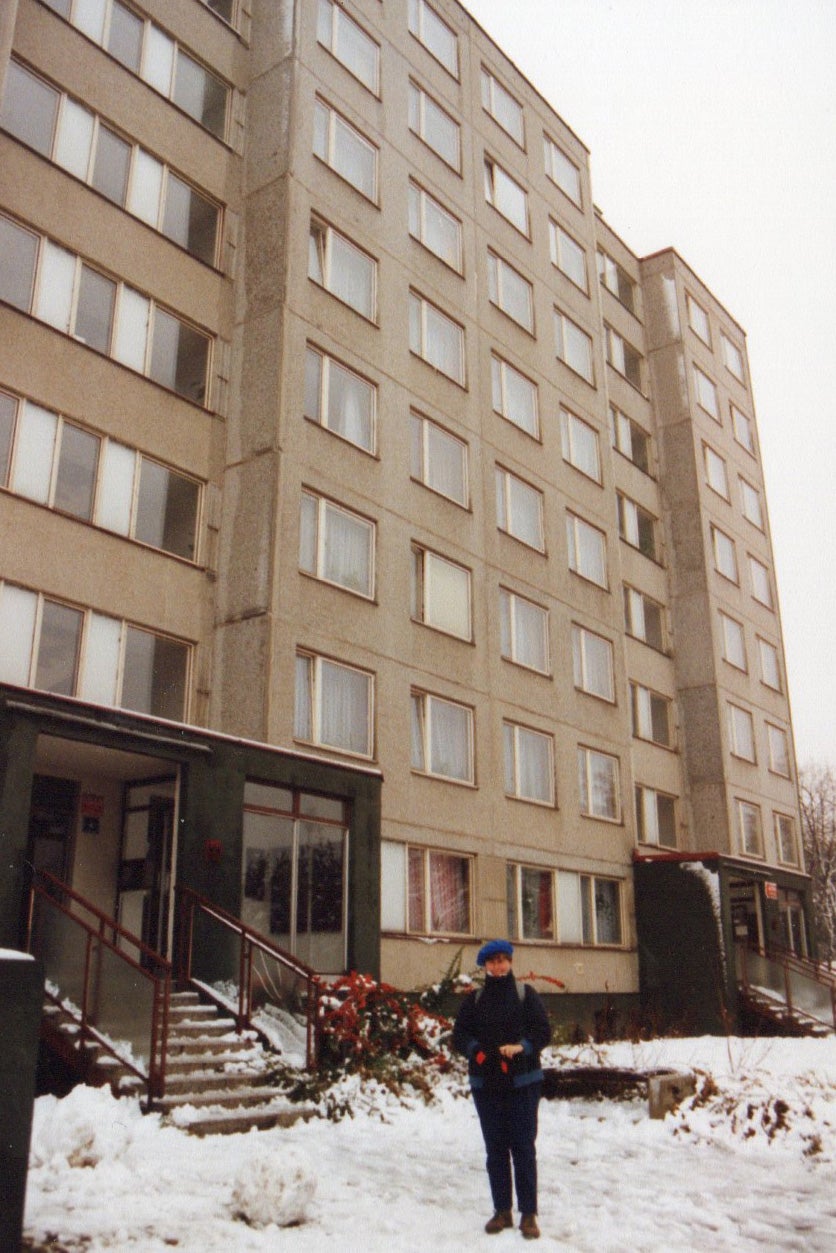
(510, 1050)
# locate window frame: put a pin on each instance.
(420, 14)
(423, 562)
(778, 749)
(316, 695)
(563, 171)
(420, 124)
(751, 504)
(741, 733)
(515, 735)
(698, 324)
(561, 242)
(506, 520)
(325, 509)
(424, 702)
(425, 424)
(514, 898)
(338, 15)
(631, 596)
(647, 708)
(586, 755)
(771, 670)
(743, 809)
(716, 472)
(323, 398)
(565, 347)
(576, 527)
(616, 280)
(427, 854)
(624, 358)
(424, 200)
(501, 400)
(424, 307)
(733, 635)
(490, 86)
(323, 239)
(502, 278)
(619, 420)
(585, 666)
(334, 120)
(779, 822)
(573, 428)
(723, 546)
(499, 185)
(510, 630)
(649, 830)
(706, 393)
(760, 582)
(638, 528)
(741, 422)
(733, 358)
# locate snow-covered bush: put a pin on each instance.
(275, 1186)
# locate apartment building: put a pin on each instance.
(383, 545)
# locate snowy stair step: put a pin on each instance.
(233, 1122)
(234, 1098)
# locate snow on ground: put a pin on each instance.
(748, 1163)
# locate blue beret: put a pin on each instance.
(493, 948)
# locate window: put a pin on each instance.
(715, 472)
(434, 126)
(588, 909)
(587, 550)
(741, 733)
(519, 509)
(725, 554)
(749, 829)
(579, 443)
(734, 642)
(436, 36)
(102, 313)
(295, 871)
(349, 43)
(438, 459)
(573, 346)
(434, 227)
(334, 705)
(524, 631)
(514, 396)
(760, 582)
(336, 545)
(655, 817)
(562, 171)
(345, 150)
(73, 651)
(779, 752)
(785, 839)
(503, 108)
(637, 527)
(751, 502)
(629, 439)
(617, 281)
(506, 195)
(770, 665)
(145, 49)
(442, 737)
(732, 357)
(644, 618)
(436, 338)
(592, 658)
(698, 319)
(510, 292)
(743, 430)
(568, 255)
(529, 764)
(706, 394)
(530, 901)
(342, 269)
(81, 143)
(440, 593)
(339, 399)
(598, 785)
(652, 715)
(624, 358)
(425, 891)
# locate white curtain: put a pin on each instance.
(116, 484)
(344, 708)
(347, 555)
(17, 629)
(75, 139)
(100, 668)
(35, 447)
(449, 739)
(55, 286)
(146, 187)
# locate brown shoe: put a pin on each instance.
(501, 1219)
(529, 1228)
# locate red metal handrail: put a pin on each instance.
(788, 962)
(251, 943)
(103, 934)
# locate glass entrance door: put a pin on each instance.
(145, 870)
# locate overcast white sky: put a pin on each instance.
(712, 129)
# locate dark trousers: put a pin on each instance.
(509, 1128)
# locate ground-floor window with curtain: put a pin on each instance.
(425, 891)
(295, 872)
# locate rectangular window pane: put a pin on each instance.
(29, 109)
(569, 909)
(524, 632)
(18, 609)
(154, 680)
(18, 253)
(339, 399)
(111, 166)
(77, 465)
(58, 648)
(34, 453)
(101, 660)
(115, 496)
(166, 509)
(514, 397)
(190, 220)
(436, 229)
(94, 311)
(8, 412)
(438, 459)
(56, 280)
(158, 61)
(131, 338)
(74, 143)
(125, 35)
(345, 706)
(146, 188)
(179, 357)
(449, 891)
(202, 95)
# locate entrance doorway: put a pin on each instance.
(747, 918)
(145, 867)
(52, 824)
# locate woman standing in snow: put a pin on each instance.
(501, 1028)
